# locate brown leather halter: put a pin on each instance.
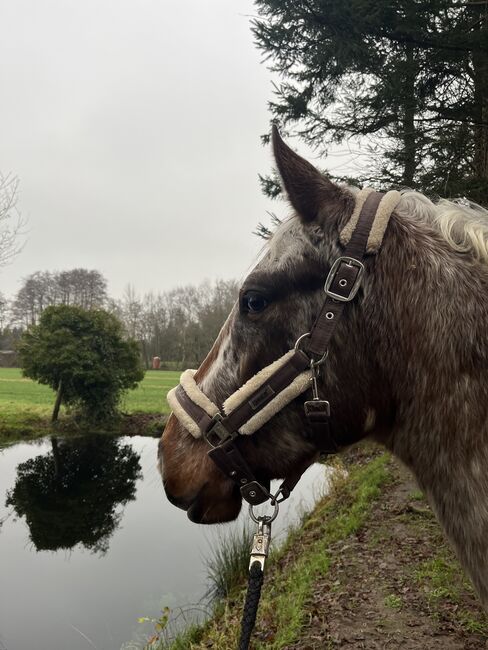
(221, 431)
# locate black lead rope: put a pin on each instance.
(256, 577)
(259, 553)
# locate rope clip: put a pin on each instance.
(261, 542)
(262, 537)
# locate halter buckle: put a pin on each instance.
(217, 433)
(351, 262)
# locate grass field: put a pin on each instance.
(25, 404)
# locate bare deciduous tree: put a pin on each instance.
(4, 312)
(179, 325)
(11, 221)
(82, 287)
(78, 287)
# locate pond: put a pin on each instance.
(89, 542)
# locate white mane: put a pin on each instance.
(464, 225)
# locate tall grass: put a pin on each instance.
(227, 568)
(228, 562)
(175, 634)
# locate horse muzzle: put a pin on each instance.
(206, 507)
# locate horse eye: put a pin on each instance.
(253, 302)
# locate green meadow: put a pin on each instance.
(26, 405)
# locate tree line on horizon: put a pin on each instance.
(179, 325)
(405, 82)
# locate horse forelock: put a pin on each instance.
(292, 242)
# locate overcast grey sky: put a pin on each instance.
(134, 129)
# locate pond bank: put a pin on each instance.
(27, 428)
(369, 568)
(26, 408)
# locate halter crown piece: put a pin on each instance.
(276, 385)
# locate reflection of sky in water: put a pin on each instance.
(76, 599)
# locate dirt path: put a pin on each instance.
(368, 569)
(394, 584)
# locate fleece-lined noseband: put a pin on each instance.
(271, 389)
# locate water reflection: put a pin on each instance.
(72, 495)
(80, 599)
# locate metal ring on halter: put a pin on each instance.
(267, 518)
(313, 363)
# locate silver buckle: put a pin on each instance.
(218, 430)
(350, 261)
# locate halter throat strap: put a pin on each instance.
(278, 384)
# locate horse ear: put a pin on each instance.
(309, 191)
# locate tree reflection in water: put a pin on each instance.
(72, 494)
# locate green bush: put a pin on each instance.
(82, 355)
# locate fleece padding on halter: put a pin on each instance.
(296, 388)
(284, 397)
(189, 385)
(187, 380)
(387, 205)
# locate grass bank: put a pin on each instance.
(26, 407)
(369, 568)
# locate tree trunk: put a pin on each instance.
(409, 134)
(57, 460)
(145, 354)
(57, 403)
(480, 69)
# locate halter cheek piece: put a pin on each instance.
(271, 389)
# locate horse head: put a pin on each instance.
(406, 366)
(278, 302)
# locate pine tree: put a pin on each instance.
(413, 74)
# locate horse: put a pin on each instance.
(406, 367)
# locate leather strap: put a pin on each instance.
(343, 282)
(197, 414)
(321, 436)
(345, 277)
(293, 477)
(358, 243)
(230, 461)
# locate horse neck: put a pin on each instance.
(431, 333)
